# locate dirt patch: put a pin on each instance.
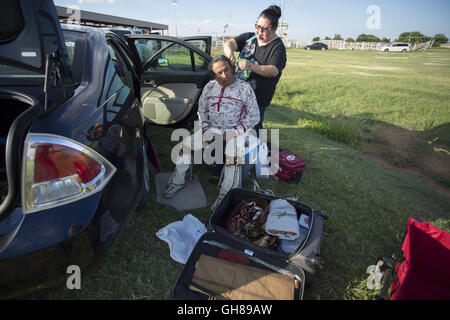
(366, 74)
(380, 68)
(409, 152)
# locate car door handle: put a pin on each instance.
(150, 83)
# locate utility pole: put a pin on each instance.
(282, 26)
(175, 3)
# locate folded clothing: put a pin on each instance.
(282, 220)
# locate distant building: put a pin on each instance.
(94, 19)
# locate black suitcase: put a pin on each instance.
(301, 265)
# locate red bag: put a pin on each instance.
(290, 167)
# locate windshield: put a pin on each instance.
(75, 46)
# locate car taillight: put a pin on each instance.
(57, 171)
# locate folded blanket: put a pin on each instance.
(282, 220)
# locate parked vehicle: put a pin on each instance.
(317, 46)
(73, 156)
(396, 47)
(121, 32)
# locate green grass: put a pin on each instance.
(368, 205)
(406, 90)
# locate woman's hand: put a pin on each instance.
(245, 65)
(229, 48)
(232, 59)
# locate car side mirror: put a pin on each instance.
(163, 62)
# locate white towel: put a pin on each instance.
(181, 236)
(282, 220)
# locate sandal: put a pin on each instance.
(171, 190)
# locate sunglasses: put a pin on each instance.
(262, 29)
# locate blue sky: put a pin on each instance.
(306, 18)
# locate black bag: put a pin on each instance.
(301, 265)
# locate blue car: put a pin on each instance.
(77, 102)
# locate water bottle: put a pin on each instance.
(262, 163)
(244, 74)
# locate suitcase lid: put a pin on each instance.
(211, 241)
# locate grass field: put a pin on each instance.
(329, 107)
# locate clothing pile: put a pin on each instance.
(273, 225)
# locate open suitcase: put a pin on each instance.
(225, 266)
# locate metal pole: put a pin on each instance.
(175, 3)
(282, 21)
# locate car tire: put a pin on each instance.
(386, 50)
(323, 49)
(308, 48)
(145, 196)
(404, 50)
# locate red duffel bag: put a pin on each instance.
(290, 167)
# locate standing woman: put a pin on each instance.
(264, 57)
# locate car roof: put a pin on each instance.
(76, 27)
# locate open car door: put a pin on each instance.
(201, 42)
(172, 72)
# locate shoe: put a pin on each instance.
(171, 190)
(217, 202)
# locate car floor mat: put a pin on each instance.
(190, 197)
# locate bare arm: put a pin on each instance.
(268, 71)
(229, 48)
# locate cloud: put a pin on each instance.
(205, 26)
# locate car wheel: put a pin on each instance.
(308, 48)
(145, 197)
(404, 50)
(323, 49)
(386, 50)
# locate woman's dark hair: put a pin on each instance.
(217, 58)
(273, 13)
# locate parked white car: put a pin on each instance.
(396, 47)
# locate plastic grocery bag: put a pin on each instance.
(181, 236)
(262, 164)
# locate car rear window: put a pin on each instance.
(75, 42)
(76, 46)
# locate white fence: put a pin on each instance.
(423, 45)
(345, 45)
(340, 44)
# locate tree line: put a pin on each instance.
(409, 37)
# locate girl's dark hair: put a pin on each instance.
(217, 58)
(273, 13)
